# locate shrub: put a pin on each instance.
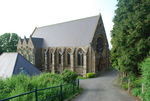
(90, 75)
(125, 79)
(124, 85)
(137, 83)
(69, 76)
(47, 79)
(136, 91)
(22, 83)
(145, 66)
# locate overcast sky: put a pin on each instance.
(22, 16)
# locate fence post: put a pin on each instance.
(142, 88)
(78, 84)
(73, 83)
(128, 85)
(61, 93)
(36, 94)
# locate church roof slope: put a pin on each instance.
(14, 63)
(73, 33)
(7, 64)
(38, 42)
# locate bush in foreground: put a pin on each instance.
(145, 65)
(69, 76)
(22, 83)
(136, 82)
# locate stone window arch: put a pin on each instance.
(21, 52)
(51, 54)
(59, 58)
(99, 45)
(46, 59)
(80, 59)
(68, 58)
(51, 58)
(29, 57)
(25, 55)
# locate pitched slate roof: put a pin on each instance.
(38, 42)
(14, 63)
(73, 33)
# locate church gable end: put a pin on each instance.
(100, 47)
(99, 39)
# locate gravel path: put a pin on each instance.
(102, 89)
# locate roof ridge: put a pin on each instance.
(35, 38)
(95, 27)
(15, 62)
(68, 21)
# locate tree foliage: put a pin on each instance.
(130, 35)
(8, 42)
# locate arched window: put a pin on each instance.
(51, 58)
(47, 53)
(25, 56)
(30, 57)
(99, 45)
(80, 58)
(68, 58)
(59, 58)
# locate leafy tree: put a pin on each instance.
(8, 42)
(130, 35)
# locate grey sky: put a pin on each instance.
(22, 16)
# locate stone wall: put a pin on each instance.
(55, 59)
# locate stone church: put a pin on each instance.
(79, 45)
